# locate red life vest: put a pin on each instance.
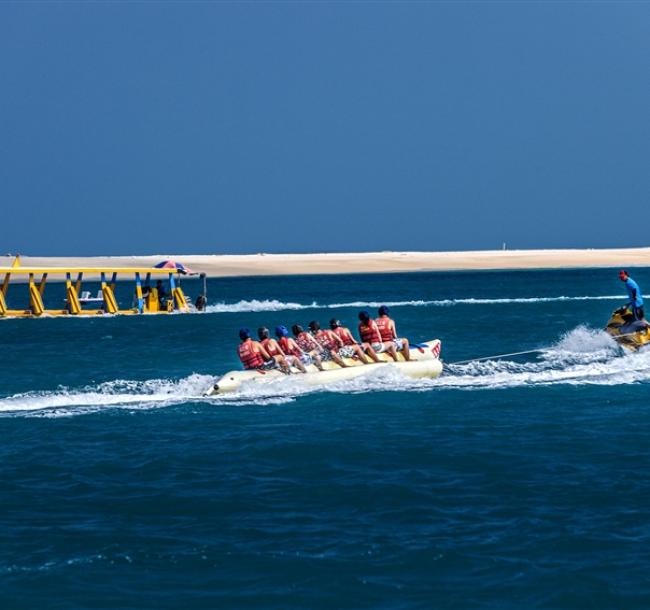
(326, 340)
(303, 341)
(250, 358)
(271, 349)
(369, 333)
(385, 329)
(344, 336)
(290, 349)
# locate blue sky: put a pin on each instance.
(181, 127)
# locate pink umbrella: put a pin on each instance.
(168, 264)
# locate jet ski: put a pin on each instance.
(628, 332)
(424, 362)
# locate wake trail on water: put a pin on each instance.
(263, 305)
(582, 356)
(272, 305)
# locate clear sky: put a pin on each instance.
(198, 127)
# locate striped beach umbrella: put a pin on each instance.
(169, 264)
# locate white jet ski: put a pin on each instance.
(425, 362)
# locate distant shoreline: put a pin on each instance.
(226, 265)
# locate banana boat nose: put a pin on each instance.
(213, 390)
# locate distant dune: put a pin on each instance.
(218, 265)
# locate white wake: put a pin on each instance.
(581, 357)
(255, 305)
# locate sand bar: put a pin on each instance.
(218, 265)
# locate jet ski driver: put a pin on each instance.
(635, 304)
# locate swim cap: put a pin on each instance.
(383, 310)
(364, 316)
(263, 332)
(281, 331)
(244, 333)
(334, 323)
(314, 326)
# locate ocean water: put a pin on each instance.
(521, 481)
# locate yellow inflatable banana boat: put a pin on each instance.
(425, 362)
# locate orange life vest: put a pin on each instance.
(287, 348)
(303, 341)
(250, 358)
(271, 348)
(385, 329)
(326, 340)
(369, 333)
(344, 336)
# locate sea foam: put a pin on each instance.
(581, 357)
(255, 305)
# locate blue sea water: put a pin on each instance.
(510, 482)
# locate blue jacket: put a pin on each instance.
(632, 288)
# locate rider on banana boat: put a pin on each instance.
(292, 350)
(635, 304)
(350, 344)
(308, 344)
(273, 349)
(328, 341)
(388, 332)
(369, 333)
(254, 357)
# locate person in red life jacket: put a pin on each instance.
(369, 333)
(253, 355)
(330, 343)
(308, 344)
(350, 346)
(273, 349)
(292, 349)
(388, 332)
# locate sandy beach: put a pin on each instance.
(367, 262)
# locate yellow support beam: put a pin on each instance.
(35, 300)
(3, 304)
(74, 306)
(179, 299)
(110, 304)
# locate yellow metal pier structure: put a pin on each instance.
(145, 300)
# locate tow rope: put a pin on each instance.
(530, 351)
(496, 357)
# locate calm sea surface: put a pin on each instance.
(520, 482)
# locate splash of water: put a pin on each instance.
(582, 356)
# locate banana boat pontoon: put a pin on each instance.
(145, 300)
(425, 362)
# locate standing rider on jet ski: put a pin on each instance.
(635, 304)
